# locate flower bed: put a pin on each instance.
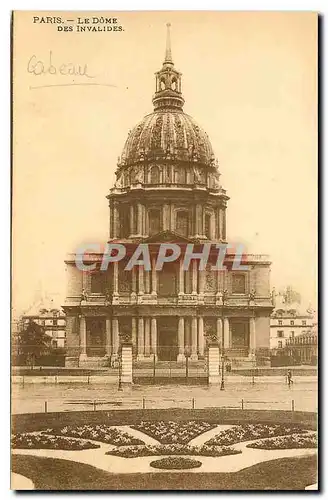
(41, 441)
(286, 442)
(174, 432)
(175, 463)
(172, 449)
(248, 432)
(103, 433)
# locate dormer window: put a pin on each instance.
(154, 221)
(155, 174)
(182, 222)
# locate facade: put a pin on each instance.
(168, 190)
(287, 324)
(304, 347)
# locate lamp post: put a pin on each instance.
(224, 296)
(251, 299)
(120, 388)
(187, 355)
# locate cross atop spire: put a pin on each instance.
(168, 53)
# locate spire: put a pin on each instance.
(168, 53)
(168, 81)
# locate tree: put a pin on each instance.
(33, 342)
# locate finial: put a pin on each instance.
(168, 54)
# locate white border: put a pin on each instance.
(5, 8)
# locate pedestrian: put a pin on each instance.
(289, 378)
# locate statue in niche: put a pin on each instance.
(209, 281)
(216, 180)
(108, 297)
(251, 296)
(136, 176)
(225, 294)
(84, 295)
(197, 175)
(119, 181)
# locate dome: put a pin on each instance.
(170, 134)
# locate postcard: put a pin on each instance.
(164, 331)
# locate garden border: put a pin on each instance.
(29, 422)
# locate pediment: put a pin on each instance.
(167, 237)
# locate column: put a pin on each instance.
(115, 221)
(201, 277)
(194, 356)
(154, 336)
(110, 223)
(199, 220)
(172, 221)
(115, 279)
(194, 277)
(141, 338)
(108, 337)
(147, 281)
(181, 354)
(166, 217)
(134, 334)
(83, 338)
(153, 277)
(139, 220)
(219, 331)
(252, 336)
(141, 280)
(144, 228)
(220, 214)
(201, 336)
(224, 230)
(131, 220)
(226, 333)
(134, 284)
(181, 278)
(147, 336)
(217, 224)
(116, 338)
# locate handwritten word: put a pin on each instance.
(39, 67)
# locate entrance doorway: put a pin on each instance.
(96, 337)
(167, 328)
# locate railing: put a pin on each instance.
(147, 403)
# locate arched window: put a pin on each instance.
(126, 179)
(238, 283)
(180, 176)
(182, 222)
(98, 282)
(155, 175)
(162, 84)
(174, 84)
(154, 221)
(124, 222)
(133, 175)
(208, 226)
(167, 280)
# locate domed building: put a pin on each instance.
(168, 189)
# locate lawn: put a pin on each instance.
(54, 474)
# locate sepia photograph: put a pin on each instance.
(164, 312)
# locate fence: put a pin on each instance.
(59, 405)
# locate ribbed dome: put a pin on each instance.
(171, 134)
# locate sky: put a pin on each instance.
(249, 79)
